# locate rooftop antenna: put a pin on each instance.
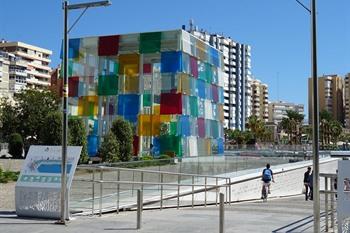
(278, 86)
(191, 25)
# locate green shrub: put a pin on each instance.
(77, 137)
(109, 150)
(51, 131)
(16, 146)
(122, 130)
(164, 157)
(6, 176)
(147, 157)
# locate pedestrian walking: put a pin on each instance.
(307, 182)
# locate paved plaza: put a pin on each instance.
(291, 214)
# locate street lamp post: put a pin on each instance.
(66, 7)
(315, 121)
(315, 117)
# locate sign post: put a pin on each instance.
(38, 189)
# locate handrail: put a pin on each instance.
(149, 183)
(147, 171)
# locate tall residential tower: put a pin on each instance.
(237, 76)
(29, 67)
(330, 91)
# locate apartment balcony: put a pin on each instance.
(32, 56)
(39, 66)
(37, 82)
(19, 62)
(18, 72)
(39, 74)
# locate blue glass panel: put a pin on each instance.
(221, 95)
(214, 57)
(73, 51)
(128, 105)
(92, 145)
(220, 145)
(185, 126)
(201, 88)
(171, 62)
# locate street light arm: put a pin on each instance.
(76, 21)
(305, 7)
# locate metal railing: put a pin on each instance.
(115, 188)
(329, 201)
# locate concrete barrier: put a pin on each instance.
(288, 180)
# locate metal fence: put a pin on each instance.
(114, 188)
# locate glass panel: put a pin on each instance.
(108, 45)
(150, 42)
(107, 84)
(170, 103)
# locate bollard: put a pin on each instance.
(101, 191)
(139, 208)
(118, 190)
(161, 192)
(216, 192)
(93, 192)
(222, 213)
(326, 201)
(205, 191)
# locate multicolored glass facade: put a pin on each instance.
(168, 84)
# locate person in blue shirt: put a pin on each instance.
(267, 177)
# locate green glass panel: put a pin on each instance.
(107, 85)
(115, 68)
(170, 144)
(146, 100)
(70, 68)
(201, 71)
(173, 128)
(150, 42)
(208, 73)
(194, 106)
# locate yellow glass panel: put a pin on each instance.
(156, 109)
(131, 84)
(207, 146)
(129, 64)
(145, 122)
(165, 118)
(185, 84)
(88, 106)
(221, 112)
(144, 127)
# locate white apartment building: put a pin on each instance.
(278, 110)
(29, 67)
(347, 100)
(4, 74)
(260, 96)
(237, 77)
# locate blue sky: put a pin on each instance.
(277, 30)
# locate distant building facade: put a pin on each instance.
(4, 74)
(278, 110)
(237, 76)
(330, 92)
(347, 100)
(260, 100)
(28, 66)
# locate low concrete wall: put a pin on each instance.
(288, 180)
(11, 164)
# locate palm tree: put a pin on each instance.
(325, 119)
(335, 130)
(292, 126)
(256, 126)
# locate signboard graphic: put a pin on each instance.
(39, 184)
